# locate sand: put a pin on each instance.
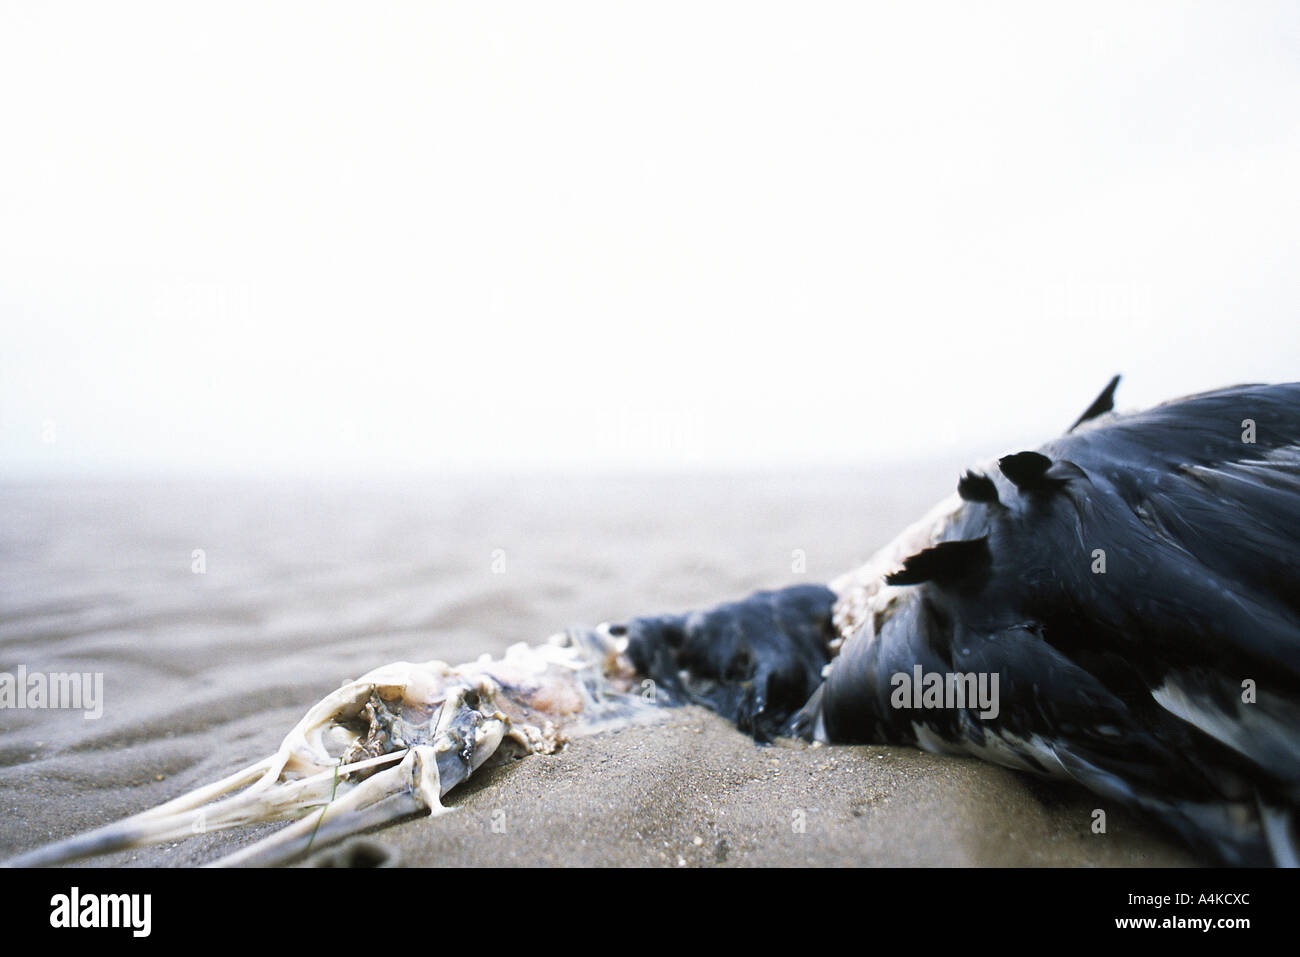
(307, 584)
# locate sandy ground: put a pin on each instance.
(307, 585)
(691, 792)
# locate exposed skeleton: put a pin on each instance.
(389, 745)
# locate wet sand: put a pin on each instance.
(307, 584)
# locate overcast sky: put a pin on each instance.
(283, 237)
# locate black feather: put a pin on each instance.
(1100, 405)
(1027, 471)
(947, 563)
(974, 487)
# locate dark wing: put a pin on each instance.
(1135, 586)
(754, 661)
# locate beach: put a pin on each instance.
(218, 611)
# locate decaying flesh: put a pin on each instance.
(389, 745)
